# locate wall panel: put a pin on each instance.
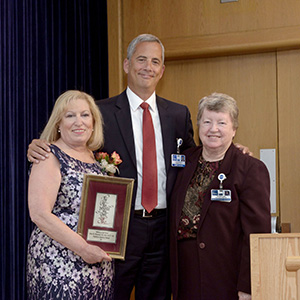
(250, 79)
(201, 28)
(289, 136)
(173, 18)
(241, 48)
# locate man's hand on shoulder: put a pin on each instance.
(244, 149)
(38, 150)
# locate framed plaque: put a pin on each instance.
(105, 212)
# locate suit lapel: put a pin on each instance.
(167, 128)
(123, 118)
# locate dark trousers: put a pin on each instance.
(146, 265)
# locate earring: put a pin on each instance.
(58, 130)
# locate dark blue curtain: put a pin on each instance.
(46, 48)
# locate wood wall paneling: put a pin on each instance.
(172, 19)
(250, 79)
(198, 28)
(115, 46)
(289, 132)
(201, 28)
(230, 48)
(241, 48)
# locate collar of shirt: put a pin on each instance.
(135, 101)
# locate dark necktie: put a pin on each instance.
(149, 187)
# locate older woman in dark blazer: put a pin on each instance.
(219, 198)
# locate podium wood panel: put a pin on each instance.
(269, 278)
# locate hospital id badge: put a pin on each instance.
(178, 160)
(220, 195)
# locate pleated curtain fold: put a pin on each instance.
(46, 48)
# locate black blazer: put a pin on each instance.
(175, 122)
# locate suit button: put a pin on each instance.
(202, 245)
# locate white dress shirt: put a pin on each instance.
(137, 125)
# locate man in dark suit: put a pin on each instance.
(146, 264)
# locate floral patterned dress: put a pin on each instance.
(54, 271)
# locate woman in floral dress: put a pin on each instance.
(60, 263)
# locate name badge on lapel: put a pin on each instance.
(221, 194)
(178, 160)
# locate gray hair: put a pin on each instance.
(146, 37)
(219, 103)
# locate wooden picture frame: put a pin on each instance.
(105, 212)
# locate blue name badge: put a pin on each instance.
(221, 195)
(178, 160)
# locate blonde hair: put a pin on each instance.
(219, 102)
(50, 132)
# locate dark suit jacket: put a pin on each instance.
(118, 134)
(223, 234)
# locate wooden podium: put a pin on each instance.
(275, 266)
